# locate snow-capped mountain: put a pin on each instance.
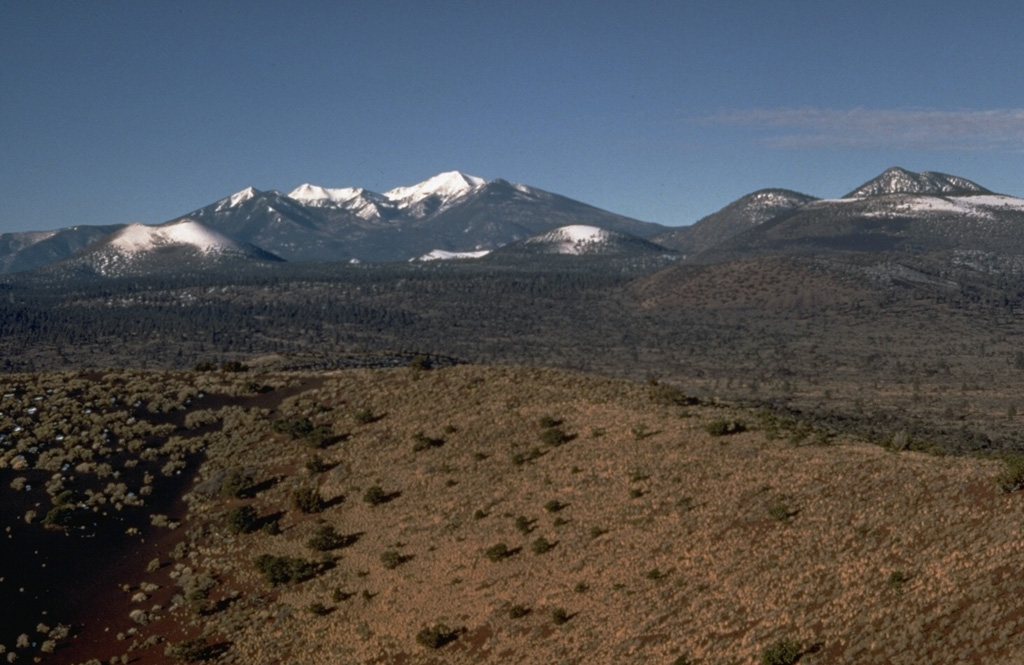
(139, 238)
(364, 203)
(451, 212)
(897, 180)
(33, 249)
(431, 195)
(178, 246)
(899, 211)
(581, 240)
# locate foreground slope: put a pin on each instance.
(545, 516)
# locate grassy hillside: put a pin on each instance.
(474, 514)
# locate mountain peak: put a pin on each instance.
(315, 194)
(443, 185)
(898, 180)
(238, 198)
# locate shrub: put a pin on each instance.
(423, 442)
(242, 519)
(376, 496)
(365, 417)
(723, 427)
(1011, 478)
(553, 506)
(191, 651)
(780, 511)
(391, 559)
(560, 615)
(549, 422)
(319, 609)
(783, 652)
(670, 395)
(237, 483)
(517, 612)
(554, 436)
(523, 524)
(67, 498)
(62, 517)
(303, 429)
(420, 363)
(498, 552)
(279, 570)
(897, 579)
(315, 464)
(520, 459)
(542, 545)
(307, 500)
(325, 539)
(436, 636)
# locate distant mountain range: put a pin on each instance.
(452, 212)
(454, 215)
(899, 211)
(449, 214)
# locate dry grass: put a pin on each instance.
(666, 544)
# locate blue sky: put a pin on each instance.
(115, 112)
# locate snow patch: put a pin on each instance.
(444, 255)
(572, 239)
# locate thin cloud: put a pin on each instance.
(869, 129)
